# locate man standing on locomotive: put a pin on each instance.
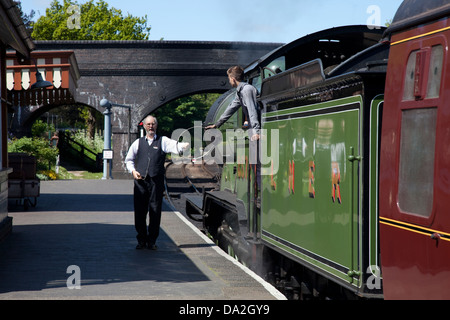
(245, 97)
(145, 161)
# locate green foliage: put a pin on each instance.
(75, 117)
(37, 147)
(95, 144)
(181, 113)
(92, 22)
(41, 129)
(26, 18)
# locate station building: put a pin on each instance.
(27, 78)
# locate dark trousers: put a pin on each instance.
(148, 194)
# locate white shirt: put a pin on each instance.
(167, 145)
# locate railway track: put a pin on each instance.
(187, 179)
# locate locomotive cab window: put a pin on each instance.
(256, 82)
(275, 67)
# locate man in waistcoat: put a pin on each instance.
(145, 161)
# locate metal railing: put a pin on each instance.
(74, 151)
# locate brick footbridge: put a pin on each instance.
(142, 74)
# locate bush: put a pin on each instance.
(95, 144)
(37, 147)
(41, 129)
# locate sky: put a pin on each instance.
(278, 21)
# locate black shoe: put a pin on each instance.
(152, 247)
(140, 246)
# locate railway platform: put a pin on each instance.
(79, 242)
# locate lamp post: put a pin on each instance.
(107, 150)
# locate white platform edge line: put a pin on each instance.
(271, 289)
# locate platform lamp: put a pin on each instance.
(40, 82)
(107, 151)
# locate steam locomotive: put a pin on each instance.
(352, 199)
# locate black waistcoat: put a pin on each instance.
(150, 158)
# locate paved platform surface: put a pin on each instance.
(84, 229)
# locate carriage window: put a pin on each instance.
(416, 176)
(408, 90)
(435, 73)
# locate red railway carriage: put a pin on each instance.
(414, 184)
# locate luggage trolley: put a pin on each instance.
(23, 184)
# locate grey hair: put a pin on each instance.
(150, 116)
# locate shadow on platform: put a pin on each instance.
(79, 203)
(36, 257)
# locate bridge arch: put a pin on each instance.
(23, 125)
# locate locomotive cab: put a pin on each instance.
(315, 229)
(356, 203)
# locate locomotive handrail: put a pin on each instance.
(352, 158)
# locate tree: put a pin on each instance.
(182, 112)
(27, 18)
(73, 21)
(88, 21)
